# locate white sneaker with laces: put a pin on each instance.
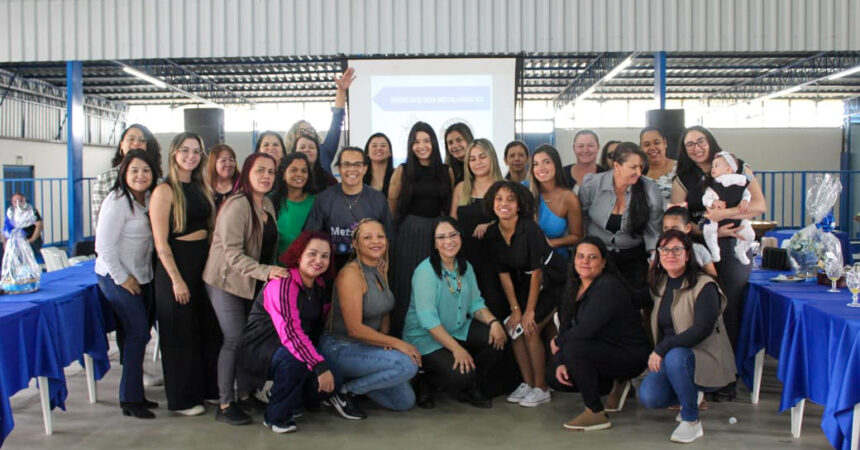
(535, 397)
(519, 393)
(687, 432)
(150, 380)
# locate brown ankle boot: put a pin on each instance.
(589, 421)
(618, 395)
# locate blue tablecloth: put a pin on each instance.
(27, 350)
(72, 304)
(816, 339)
(782, 235)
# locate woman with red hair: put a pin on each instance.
(282, 334)
(240, 260)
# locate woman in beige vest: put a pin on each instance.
(692, 353)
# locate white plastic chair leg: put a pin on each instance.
(44, 397)
(91, 379)
(797, 417)
(759, 367)
(855, 428)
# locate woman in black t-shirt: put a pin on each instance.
(532, 279)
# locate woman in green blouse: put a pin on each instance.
(455, 349)
(293, 200)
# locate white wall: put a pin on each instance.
(762, 148)
(49, 161)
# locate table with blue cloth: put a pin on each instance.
(71, 304)
(27, 351)
(786, 234)
(816, 339)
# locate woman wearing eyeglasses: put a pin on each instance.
(697, 150)
(692, 352)
(182, 214)
(601, 344)
(460, 340)
(337, 209)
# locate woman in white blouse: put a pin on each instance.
(124, 269)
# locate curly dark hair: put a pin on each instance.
(152, 147)
(525, 199)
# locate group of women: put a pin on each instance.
(398, 283)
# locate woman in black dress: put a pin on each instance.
(532, 279)
(467, 205)
(420, 192)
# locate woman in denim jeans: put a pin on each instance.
(692, 352)
(357, 344)
(124, 271)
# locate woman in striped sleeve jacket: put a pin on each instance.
(280, 338)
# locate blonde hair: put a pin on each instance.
(198, 179)
(469, 178)
(295, 132)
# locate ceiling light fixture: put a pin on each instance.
(144, 77)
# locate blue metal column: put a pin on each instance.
(660, 78)
(75, 127)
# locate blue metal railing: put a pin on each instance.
(785, 192)
(50, 197)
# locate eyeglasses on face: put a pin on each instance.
(700, 142)
(445, 237)
(675, 251)
(588, 256)
(350, 165)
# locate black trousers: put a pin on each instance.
(438, 364)
(733, 277)
(190, 337)
(593, 365)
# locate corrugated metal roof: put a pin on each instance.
(56, 30)
(544, 76)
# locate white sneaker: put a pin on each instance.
(687, 432)
(195, 410)
(281, 429)
(535, 397)
(150, 380)
(519, 393)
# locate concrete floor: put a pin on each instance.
(450, 425)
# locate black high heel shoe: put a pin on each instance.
(136, 409)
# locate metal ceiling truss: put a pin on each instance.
(807, 72)
(14, 87)
(186, 82)
(589, 78)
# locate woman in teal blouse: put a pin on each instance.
(456, 350)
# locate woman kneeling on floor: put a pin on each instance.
(448, 321)
(601, 343)
(693, 353)
(282, 334)
(356, 341)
